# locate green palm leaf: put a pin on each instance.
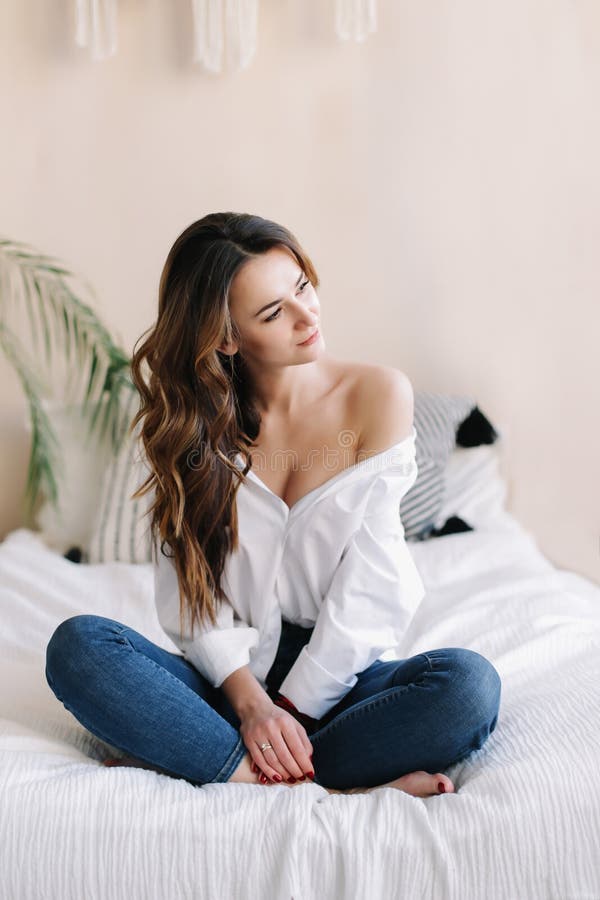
(44, 461)
(97, 369)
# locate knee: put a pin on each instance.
(478, 687)
(67, 642)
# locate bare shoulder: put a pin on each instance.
(383, 407)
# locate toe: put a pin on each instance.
(443, 784)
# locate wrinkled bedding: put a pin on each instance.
(524, 822)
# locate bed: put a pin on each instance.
(524, 822)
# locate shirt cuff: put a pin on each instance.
(216, 655)
(311, 688)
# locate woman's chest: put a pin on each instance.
(293, 461)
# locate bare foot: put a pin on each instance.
(418, 784)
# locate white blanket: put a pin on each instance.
(523, 824)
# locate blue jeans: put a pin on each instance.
(422, 713)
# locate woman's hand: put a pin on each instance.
(309, 723)
(290, 753)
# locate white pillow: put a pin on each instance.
(475, 489)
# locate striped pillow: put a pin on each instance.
(121, 530)
(437, 418)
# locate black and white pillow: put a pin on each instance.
(442, 422)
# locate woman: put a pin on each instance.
(281, 581)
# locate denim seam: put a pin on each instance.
(236, 755)
(368, 703)
(228, 768)
(232, 762)
(98, 734)
(382, 698)
(124, 640)
(428, 660)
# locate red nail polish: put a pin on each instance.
(441, 787)
(291, 781)
(277, 777)
(311, 774)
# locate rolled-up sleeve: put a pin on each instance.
(215, 651)
(373, 595)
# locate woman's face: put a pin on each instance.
(275, 308)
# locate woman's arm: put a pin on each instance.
(384, 404)
(244, 692)
(376, 587)
(215, 651)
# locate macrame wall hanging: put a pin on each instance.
(96, 26)
(232, 23)
(223, 30)
(355, 19)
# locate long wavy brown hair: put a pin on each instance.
(197, 405)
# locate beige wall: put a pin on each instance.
(443, 175)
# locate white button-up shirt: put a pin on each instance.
(337, 560)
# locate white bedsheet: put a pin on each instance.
(524, 822)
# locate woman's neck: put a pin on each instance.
(290, 392)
